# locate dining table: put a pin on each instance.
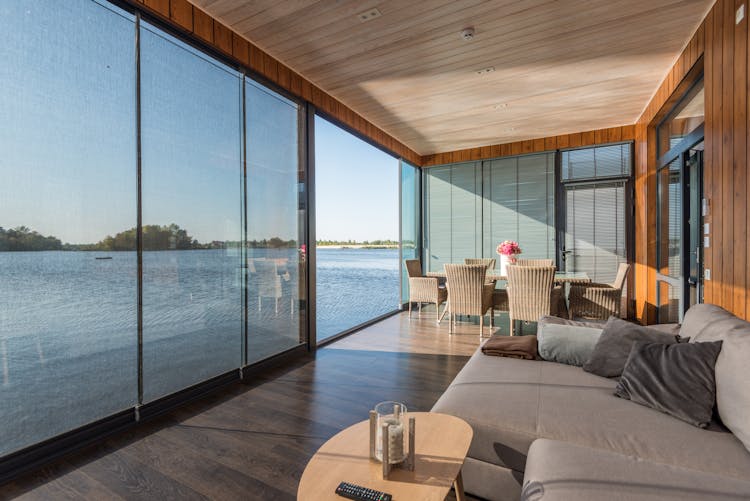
(561, 277)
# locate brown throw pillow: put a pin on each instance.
(677, 379)
(613, 347)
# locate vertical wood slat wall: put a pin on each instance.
(184, 15)
(539, 145)
(722, 45)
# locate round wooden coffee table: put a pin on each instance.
(442, 442)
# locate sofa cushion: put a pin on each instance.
(677, 379)
(510, 402)
(499, 398)
(706, 322)
(562, 471)
(613, 347)
(567, 344)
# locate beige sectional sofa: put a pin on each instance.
(559, 433)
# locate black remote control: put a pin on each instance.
(359, 493)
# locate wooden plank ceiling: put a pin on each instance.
(560, 66)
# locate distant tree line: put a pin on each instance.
(272, 243)
(323, 243)
(24, 239)
(155, 238)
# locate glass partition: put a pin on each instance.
(68, 291)
(276, 224)
(519, 204)
(410, 221)
(357, 254)
(192, 215)
(453, 218)
(684, 119)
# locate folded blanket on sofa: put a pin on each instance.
(511, 346)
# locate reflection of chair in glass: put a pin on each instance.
(424, 289)
(530, 293)
(469, 293)
(268, 281)
(599, 301)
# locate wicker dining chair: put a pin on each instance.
(558, 291)
(530, 293)
(489, 262)
(535, 262)
(424, 289)
(468, 293)
(599, 301)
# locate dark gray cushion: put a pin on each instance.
(566, 344)
(613, 348)
(677, 379)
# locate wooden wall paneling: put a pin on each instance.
(708, 161)
(747, 163)
(203, 25)
(727, 201)
(588, 137)
(240, 49)
(222, 37)
(739, 165)
(160, 7)
(641, 248)
(181, 12)
(724, 165)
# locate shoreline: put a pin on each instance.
(357, 246)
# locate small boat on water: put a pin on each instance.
(104, 257)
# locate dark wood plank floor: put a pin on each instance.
(253, 441)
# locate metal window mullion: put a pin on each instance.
(244, 240)
(139, 211)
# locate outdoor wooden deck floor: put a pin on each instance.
(253, 441)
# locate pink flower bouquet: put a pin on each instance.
(508, 248)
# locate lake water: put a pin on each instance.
(68, 324)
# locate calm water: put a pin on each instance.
(354, 285)
(68, 324)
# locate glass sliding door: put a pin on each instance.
(680, 230)
(596, 188)
(192, 189)
(68, 294)
(411, 216)
(357, 225)
(276, 224)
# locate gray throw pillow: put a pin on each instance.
(567, 344)
(611, 351)
(677, 379)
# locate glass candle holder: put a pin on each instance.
(394, 415)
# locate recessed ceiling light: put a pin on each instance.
(368, 15)
(488, 69)
(467, 33)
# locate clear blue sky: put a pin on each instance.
(357, 187)
(68, 139)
